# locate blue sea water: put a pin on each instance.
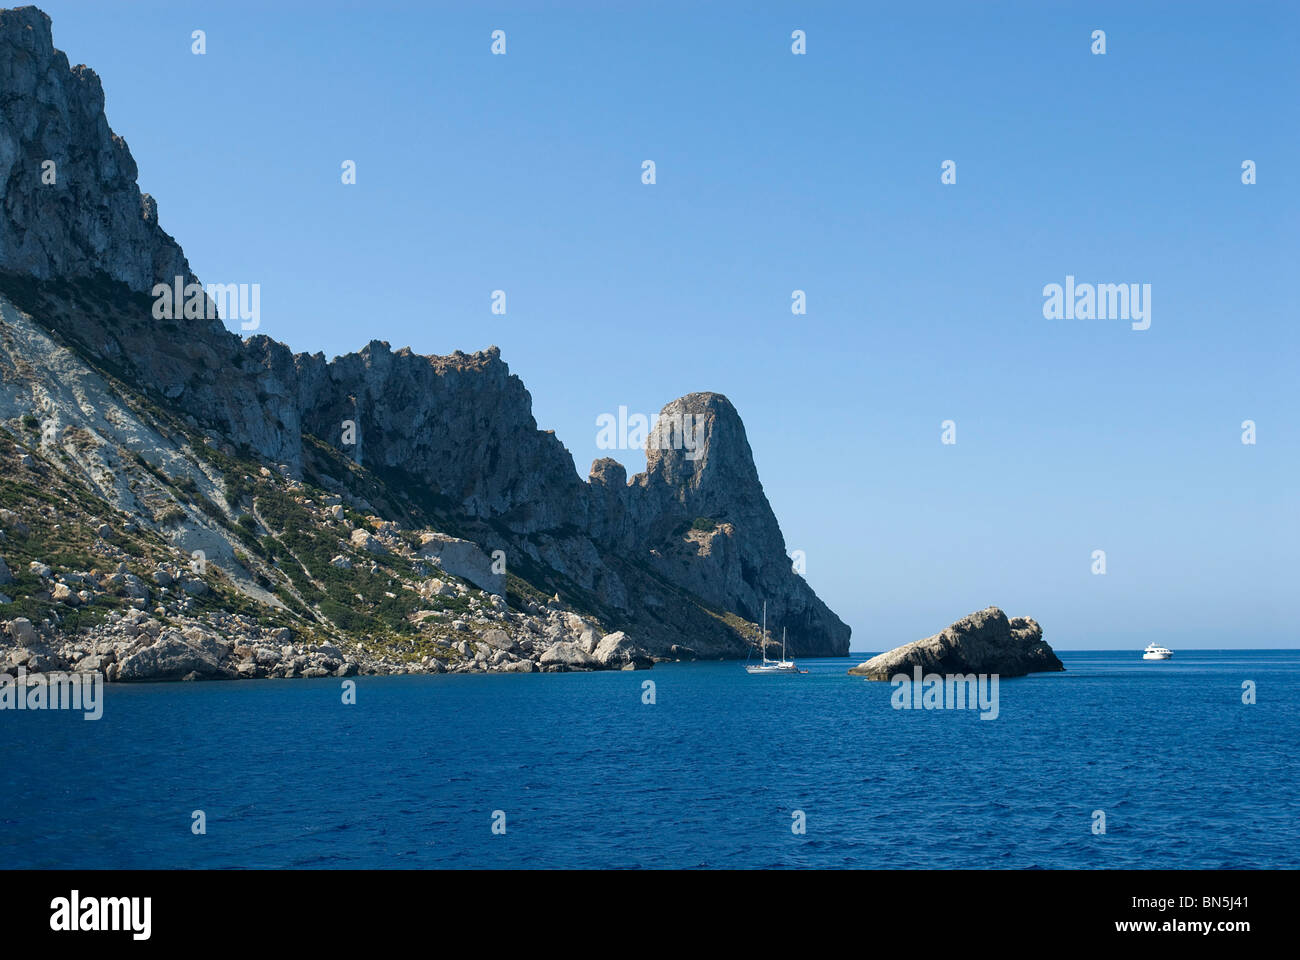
(707, 776)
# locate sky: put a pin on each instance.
(820, 172)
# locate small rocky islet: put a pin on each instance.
(985, 642)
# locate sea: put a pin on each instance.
(1114, 763)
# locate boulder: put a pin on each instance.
(43, 662)
(209, 644)
(985, 642)
(464, 559)
(15, 658)
(134, 587)
(616, 651)
(570, 656)
(194, 587)
(170, 658)
(265, 657)
(365, 540)
(93, 664)
(22, 631)
(436, 588)
(499, 640)
(581, 632)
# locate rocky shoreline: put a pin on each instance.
(133, 646)
(154, 630)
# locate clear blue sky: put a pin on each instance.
(819, 172)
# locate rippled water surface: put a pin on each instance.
(708, 776)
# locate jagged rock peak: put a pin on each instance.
(70, 204)
(699, 446)
(608, 472)
(688, 431)
(380, 353)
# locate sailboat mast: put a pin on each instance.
(763, 640)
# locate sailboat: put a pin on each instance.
(772, 666)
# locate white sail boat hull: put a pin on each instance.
(772, 667)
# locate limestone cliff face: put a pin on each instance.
(462, 423)
(92, 217)
(678, 555)
(701, 518)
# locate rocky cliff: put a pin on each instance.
(985, 642)
(71, 204)
(681, 557)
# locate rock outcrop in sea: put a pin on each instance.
(984, 642)
(171, 439)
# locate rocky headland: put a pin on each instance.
(179, 501)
